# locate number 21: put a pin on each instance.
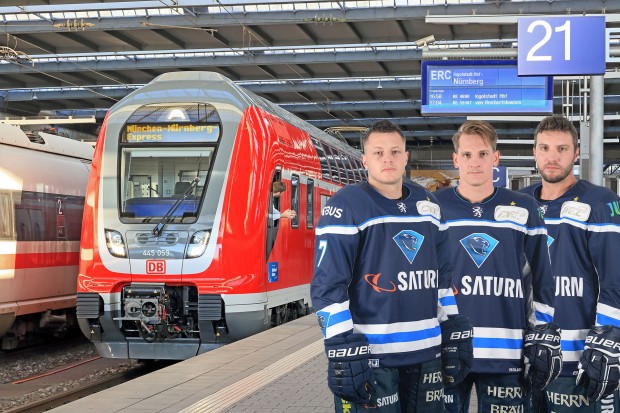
(546, 58)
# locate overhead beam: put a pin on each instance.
(125, 39)
(204, 17)
(216, 60)
(78, 39)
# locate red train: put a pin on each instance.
(178, 253)
(42, 187)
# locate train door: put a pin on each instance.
(272, 224)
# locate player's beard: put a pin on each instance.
(564, 172)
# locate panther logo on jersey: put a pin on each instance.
(323, 319)
(479, 247)
(409, 243)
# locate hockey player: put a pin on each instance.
(502, 280)
(381, 288)
(583, 221)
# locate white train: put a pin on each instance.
(42, 186)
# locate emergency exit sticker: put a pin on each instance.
(273, 272)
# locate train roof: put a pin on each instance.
(45, 142)
(252, 99)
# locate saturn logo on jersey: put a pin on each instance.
(409, 243)
(373, 280)
(479, 247)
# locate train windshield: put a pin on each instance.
(163, 149)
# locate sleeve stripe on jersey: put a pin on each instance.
(335, 319)
(352, 230)
(447, 301)
(607, 315)
(544, 313)
(498, 224)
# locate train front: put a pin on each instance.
(151, 220)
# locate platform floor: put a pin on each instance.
(279, 370)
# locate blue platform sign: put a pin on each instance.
(561, 45)
(499, 176)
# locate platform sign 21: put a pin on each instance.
(561, 45)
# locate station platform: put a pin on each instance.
(282, 369)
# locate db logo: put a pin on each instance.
(155, 266)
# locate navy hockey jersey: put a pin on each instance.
(381, 269)
(501, 273)
(584, 238)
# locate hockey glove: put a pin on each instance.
(457, 354)
(542, 355)
(599, 365)
(348, 374)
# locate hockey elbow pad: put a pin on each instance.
(599, 365)
(457, 353)
(542, 355)
(348, 374)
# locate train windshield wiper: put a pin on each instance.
(168, 215)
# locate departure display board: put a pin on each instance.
(171, 133)
(475, 87)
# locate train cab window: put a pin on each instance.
(295, 200)
(310, 204)
(166, 153)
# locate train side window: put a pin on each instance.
(355, 169)
(342, 167)
(310, 204)
(295, 200)
(324, 199)
(7, 224)
(320, 151)
(333, 166)
(350, 170)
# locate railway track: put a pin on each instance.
(39, 378)
(85, 390)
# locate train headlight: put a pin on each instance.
(197, 244)
(115, 243)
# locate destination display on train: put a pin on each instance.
(171, 133)
(483, 87)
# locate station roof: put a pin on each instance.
(336, 64)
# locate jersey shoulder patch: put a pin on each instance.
(575, 210)
(511, 213)
(428, 208)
